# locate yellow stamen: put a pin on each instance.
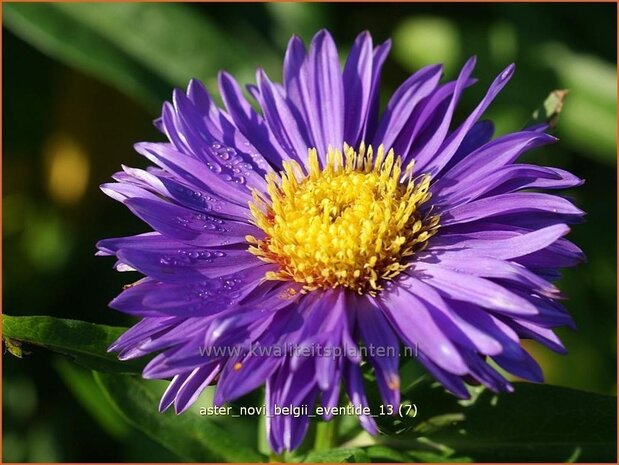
(353, 223)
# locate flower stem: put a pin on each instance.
(276, 458)
(325, 435)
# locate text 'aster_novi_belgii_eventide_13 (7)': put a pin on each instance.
(319, 220)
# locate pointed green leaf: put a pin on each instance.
(85, 343)
(192, 437)
(337, 456)
(63, 37)
(144, 49)
(535, 423)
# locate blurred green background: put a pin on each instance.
(82, 83)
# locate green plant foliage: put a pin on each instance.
(143, 48)
(190, 436)
(535, 423)
(64, 37)
(85, 343)
(337, 456)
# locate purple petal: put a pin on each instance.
(285, 127)
(519, 202)
(326, 92)
(403, 102)
(194, 172)
(428, 152)
(356, 394)
(472, 289)
(249, 122)
(436, 163)
(357, 86)
(189, 226)
(375, 331)
(415, 325)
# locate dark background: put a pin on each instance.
(71, 120)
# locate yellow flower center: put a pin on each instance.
(352, 224)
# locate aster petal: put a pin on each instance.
(482, 341)
(427, 126)
(500, 244)
(519, 202)
(523, 176)
(189, 226)
(378, 59)
(193, 386)
(522, 365)
(284, 125)
(437, 162)
(143, 330)
(171, 391)
(152, 298)
(123, 191)
(488, 267)
(375, 331)
(451, 382)
(357, 87)
(284, 388)
(509, 179)
(201, 137)
(326, 92)
(544, 336)
(412, 320)
(403, 102)
(486, 160)
(187, 264)
(483, 292)
(194, 172)
(480, 134)
(356, 394)
(200, 97)
(249, 122)
(253, 372)
(132, 184)
(426, 153)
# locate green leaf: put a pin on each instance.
(386, 454)
(65, 38)
(422, 40)
(590, 117)
(175, 41)
(337, 456)
(535, 423)
(84, 387)
(142, 48)
(192, 437)
(85, 343)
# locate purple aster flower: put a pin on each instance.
(319, 222)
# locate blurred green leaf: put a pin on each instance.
(86, 390)
(193, 438)
(173, 40)
(423, 40)
(590, 116)
(143, 48)
(535, 423)
(85, 343)
(386, 454)
(65, 38)
(302, 19)
(337, 456)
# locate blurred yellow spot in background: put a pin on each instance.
(67, 169)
